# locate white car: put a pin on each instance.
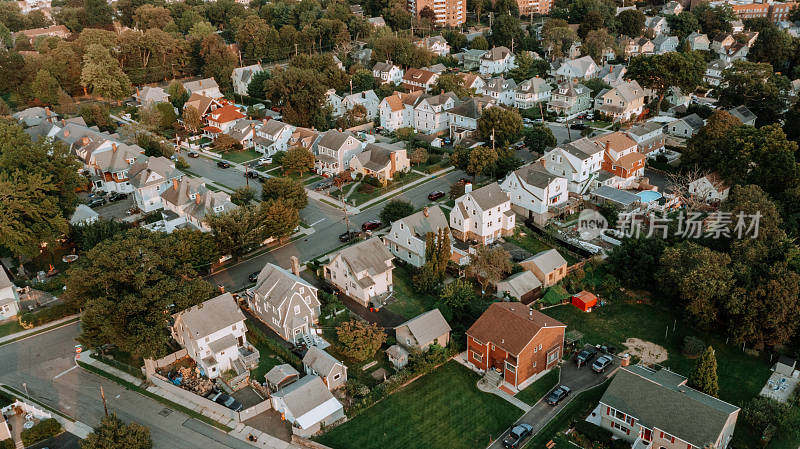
(265, 161)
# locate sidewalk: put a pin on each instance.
(264, 440)
(411, 184)
(39, 329)
(86, 358)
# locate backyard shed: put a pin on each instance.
(584, 300)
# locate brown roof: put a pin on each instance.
(398, 99)
(510, 325)
(199, 102)
(227, 113)
(418, 76)
(617, 141)
(629, 160)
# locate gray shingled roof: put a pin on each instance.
(370, 255)
(274, 284)
(519, 284)
(616, 195)
(212, 315)
(535, 174)
(304, 395)
(320, 361)
(660, 399)
(547, 260)
(280, 372)
(420, 225)
(489, 196)
(428, 326)
(334, 139)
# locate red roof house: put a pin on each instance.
(521, 343)
(584, 300)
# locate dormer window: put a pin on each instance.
(193, 196)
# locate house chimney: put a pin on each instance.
(425, 211)
(530, 314)
(197, 199)
(66, 133)
(175, 183)
(608, 145)
(295, 265)
(468, 187)
(113, 147)
(393, 159)
(543, 162)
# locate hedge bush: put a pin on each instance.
(42, 431)
(46, 315)
(7, 444)
(693, 346)
(5, 399)
(593, 432)
(256, 336)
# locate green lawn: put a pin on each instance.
(366, 192)
(312, 180)
(241, 157)
(10, 327)
(578, 408)
(741, 376)
(407, 302)
(441, 410)
(533, 243)
(538, 389)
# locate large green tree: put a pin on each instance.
(395, 210)
(539, 138)
(704, 375)
(114, 433)
(673, 69)
(757, 86)
(289, 190)
(631, 22)
(247, 227)
(128, 287)
(502, 125)
(45, 87)
(101, 73)
(360, 340)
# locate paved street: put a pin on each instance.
(45, 363)
(577, 379)
(328, 224)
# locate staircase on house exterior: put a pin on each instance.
(492, 377)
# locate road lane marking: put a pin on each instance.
(317, 222)
(65, 372)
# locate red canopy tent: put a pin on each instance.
(584, 300)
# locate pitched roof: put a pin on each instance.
(4, 280)
(82, 213)
(717, 182)
(272, 127)
(742, 113)
(274, 284)
(418, 76)
(280, 372)
(473, 107)
(645, 128)
(371, 256)
(547, 260)
(199, 102)
(140, 172)
(245, 74)
(616, 141)
(520, 284)
(500, 84)
(320, 361)
(489, 196)
(207, 83)
(693, 121)
(305, 395)
(398, 100)
(334, 139)
(225, 114)
(180, 193)
(534, 85)
(582, 148)
(661, 399)
(420, 225)
(382, 66)
(376, 156)
(535, 174)
(427, 326)
(210, 316)
(580, 65)
(510, 325)
(496, 54)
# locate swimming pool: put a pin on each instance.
(648, 196)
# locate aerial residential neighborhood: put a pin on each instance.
(524, 224)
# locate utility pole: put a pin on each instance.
(492, 139)
(103, 396)
(338, 182)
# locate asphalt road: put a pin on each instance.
(45, 364)
(328, 224)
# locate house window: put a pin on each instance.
(297, 310)
(337, 376)
(534, 363)
(477, 356)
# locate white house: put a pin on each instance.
(241, 77)
(308, 405)
(483, 215)
(367, 98)
(436, 44)
(363, 272)
(272, 136)
(579, 162)
(463, 118)
(664, 44)
(207, 87)
(583, 68)
(244, 132)
(387, 72)
(406, 240)
(698, 41)
(286, 303)
(711, 188)
(656, 25)
(713, 75)
(502, 90)
(150, 178)
(532, 91)
(9, 299)
(319, 363)
(148, 95)
(189, 201)
(334, 100)
(497, 60)
(397, 110)
(533, 191)
(334, 151)
(685, 127)
(430, 113)
(108, 162)
(419, 79)
(214, 335)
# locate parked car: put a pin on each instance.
(116, 196)
(371, 225)
(585, 356)
(558, 395)
(602, 363)
(561, 119)
(348, 236)
(433, 196)
(223, 164)
(465, 180)
(578, 126)
(252, 277)
(322, 185)
(96, 202)
(228, 401)
(265, 161)
(518, 434)
(250, 174)
(193, 154)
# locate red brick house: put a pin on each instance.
(622, 158)
(516, 340)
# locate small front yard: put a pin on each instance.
(10, 327)
(538, 389)
(407, 302)
(366, 192)
(441, 410)
(240, 157)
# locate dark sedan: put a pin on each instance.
(558, 395)
(348, 236)
(223, 164)
(252, 277)
(371, 225)
(516, 436)
(433, 196)
(194, 155)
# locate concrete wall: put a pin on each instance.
(261, 407)
(151, 365)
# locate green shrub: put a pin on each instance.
(693, 346)
(593, 432)
(42, 431)
(257, 337)
(46, 315)
(7, 444)
(373, 181)
(5, 399)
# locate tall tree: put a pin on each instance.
(299, 160)
(290, 191)
(360, 340)
(255, 88)
(150, 16)
(102, 74)
(45, 87)
(395, 210)
(683, 24)
(112, 433)
(480, 160)
(673, 69)
(489, 265)
(241, 229)
(704, 375)
(631, 22)
(177, 94)
(539, 138)
(192, 119)
(502, 125)
(98, 13)
(756, 86)
(218, 60)
(504, 30)
(128, 287)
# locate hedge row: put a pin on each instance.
(42, 431)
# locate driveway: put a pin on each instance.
(577, 379)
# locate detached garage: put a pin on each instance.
(584, 300)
